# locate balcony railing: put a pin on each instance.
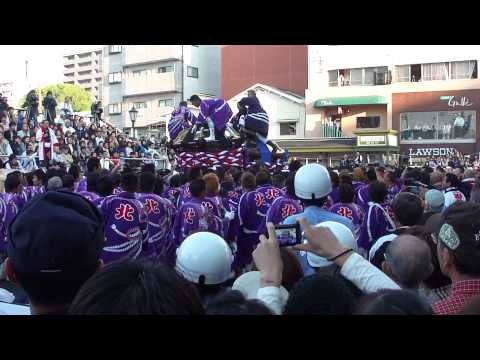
(330, 131)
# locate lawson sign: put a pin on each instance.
(433, 152)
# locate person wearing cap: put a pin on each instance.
(160, 215)
(126, 222)
(434, 204)
(181, 119)
(312, 186)
(50, 269)
(54, 183)
(458, 250)
(215, 113)
(205, 260)
(91, 193)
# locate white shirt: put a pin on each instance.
(105, 164)
(459, 121)
(70, 129)
(271, 297)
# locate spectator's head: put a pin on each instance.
(175, 181)
(294, 166)
(434, 200)
(312, 184)
(195, 100)
(451, 180)
(319, 295)
(290, 184)
(407, 208)
(93, 165)
(148, 168)
(48, 268)
(346, 193)
(334, 178)
(408, 261)
(278, 180)
(129, 182)
(212, 184)
(459, 172)
(195, 173)
(378, 192)
(458, 241)
(38, 177)
(136, 288)
(263, 178)
(292, 270)
(389, 178)
(105, 185)
(358, 174)
(13, 183)
(198, 188)
(248, 181)
(393, 302)
(92, 179)
(234, 303)
(68, 182)
(147, 182)
(204, 259)
(371, 174)
(54, 183)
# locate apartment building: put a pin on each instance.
(394, 100)
(154, 79)
(85, 69)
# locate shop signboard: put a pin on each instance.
(371, 140)
(434, 151)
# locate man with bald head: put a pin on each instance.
(408, 261)
(436, 179)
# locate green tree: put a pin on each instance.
(81, 99)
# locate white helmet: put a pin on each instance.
(343, 234)
(312, 181)
(204, 254)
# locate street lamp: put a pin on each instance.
(133, 117)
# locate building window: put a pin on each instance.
(463, 70)
(165, 102)
(85, 63)
(192, 72)
(165, 69)
(368, 122)
(71, 66)
(435, 71)
(114, 78)
(138, 73)
(87, 72)
(441, 126)
(288, 128)
(83, 56)
(115, 49)
(333, 78)
(71, 57)
(409, 73)
(115, 109)
(86, 81)
(139, 105)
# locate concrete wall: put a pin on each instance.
(281, 66)
(207, 59)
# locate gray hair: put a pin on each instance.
(410, 260)
(54, 183)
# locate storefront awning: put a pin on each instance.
(353, 100)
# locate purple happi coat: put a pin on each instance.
(252, 209)
(234, 198)
(357, 185)
(281, 208)
(98, 201)
(393, 190)
(377, 223)
(32, 191)
(160, 215)
(11, 205)
(90, 196)
(351, 211)
(81, 185)
(117, 190)
(270, 193)
(217, 109)
(332, 199)
(125, 226)
(363, 197)
(184, 196)
(171, 194)
(180, 120)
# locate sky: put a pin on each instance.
(45, 65)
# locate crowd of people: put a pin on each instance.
(203, 241)
(83, 235)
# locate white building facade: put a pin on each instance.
(155, 78)
(373, 93)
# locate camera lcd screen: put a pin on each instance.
(288, 235)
